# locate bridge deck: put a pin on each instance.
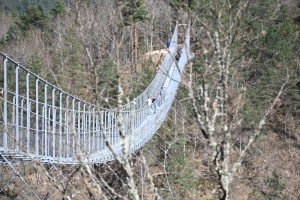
(48, 124)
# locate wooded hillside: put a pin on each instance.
(238, 99)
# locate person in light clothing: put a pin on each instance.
(149, 101)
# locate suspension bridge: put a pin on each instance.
(39, 121)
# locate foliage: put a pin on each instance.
(276, 186)
(143, 78)
(108, 84)
(12, 34)
(266, 39)
(180, 169)
(147, 72)
(169, 146)
(69, 72)
(33, 17)
(182, 3)
(243, 64)
(133, 12)
(59, 9)
(21, 6)
(274, 57)
(36, 64)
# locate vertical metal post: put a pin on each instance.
(49, 131)
(138, 115)
(123, 120)
(99, 130)
(21, 124)
(53, 122)
(78, 126)
(134, 119)
(126, 121)
(13, 122)
(112, 122)
(60, 125)
(66, 136)
(73, 128)
(28, 114)
(141, 114)
(43, 131)
(37, 117)
(94, 130)
(84, 147)
(5, 105)
(104, 131)
(45, 121)
(116, 129)
(112, 116)
(17, 108)
(67, 129)
(109, 125)
(89, 130)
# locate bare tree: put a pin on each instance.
(217, 95)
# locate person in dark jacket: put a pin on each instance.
(154, 104)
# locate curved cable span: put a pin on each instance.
(42, 122)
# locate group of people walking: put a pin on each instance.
(151, 101)
(179, 50)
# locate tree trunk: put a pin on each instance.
(135, 44)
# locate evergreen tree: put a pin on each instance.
(133, 12)
(274, 55)
(59, 9)
(34, 17)
(184, 4)
(12, 33)
(19, 7)
(107, 82)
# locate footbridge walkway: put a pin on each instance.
(39, 121)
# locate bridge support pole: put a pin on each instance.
(89, 131)
(60, 125)
(45, 121)
(17, 147)
(5, 106)
(53, 123)
(37, 117)
(73, 129)
(28, 115)
(94, 131)
(67, 128)
(78, 128)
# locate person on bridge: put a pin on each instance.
(162, 91)
(168, 43)
(154, 104)
(149, 101)
(179, 51)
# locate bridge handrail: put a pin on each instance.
(60, 122)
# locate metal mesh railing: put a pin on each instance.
(41, 121)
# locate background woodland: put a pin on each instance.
(233, 132)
